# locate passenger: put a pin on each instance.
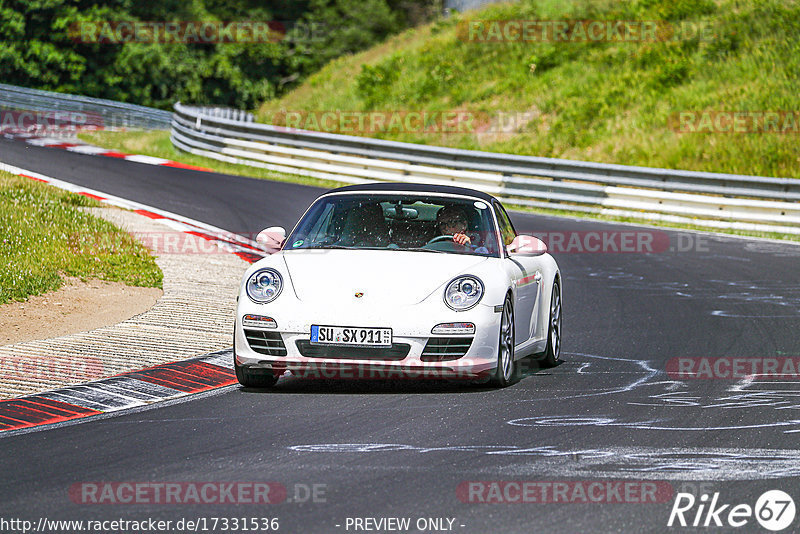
(366, 227)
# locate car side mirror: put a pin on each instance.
(272, 238)
(527, 245)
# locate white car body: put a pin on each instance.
(398, 289)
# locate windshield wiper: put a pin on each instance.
(423, 249)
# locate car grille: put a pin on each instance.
(443, 349)
(397, 351)
(269, 343)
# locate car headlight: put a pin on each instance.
(463, 292)
(264, 285)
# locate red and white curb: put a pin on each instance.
(133, 389)
(136, 388)
(73, 145)
(246, 249)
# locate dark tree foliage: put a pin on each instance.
(40, 46)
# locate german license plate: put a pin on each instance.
(351, 335)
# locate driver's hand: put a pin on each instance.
(462, 239)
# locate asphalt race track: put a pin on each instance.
(609, 413)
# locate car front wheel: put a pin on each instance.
(261, 378)
(506, 372)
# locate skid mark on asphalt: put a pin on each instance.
(641, 369)
(642, 385)
(679, 463)
(680, 401)
(780, 298)
(640, 425)
(748, 397)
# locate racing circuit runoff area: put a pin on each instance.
(654, 422)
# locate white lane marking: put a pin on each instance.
(87, 149)
(150, 160)
(44, 141)
(177, 225)
(84, 148)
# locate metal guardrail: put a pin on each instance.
(732, 201)
(226, 113)
(465, 5)
(97, 112)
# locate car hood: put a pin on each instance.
(382, 276)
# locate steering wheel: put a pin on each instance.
(441, 238)
(449, 244)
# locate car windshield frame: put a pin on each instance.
(488, 240)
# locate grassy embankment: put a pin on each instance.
(597, 101)
(46, 236)
(614, 102)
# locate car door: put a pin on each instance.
(526, 280)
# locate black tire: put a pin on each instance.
(262, 378)
(506, 372)
(552, 354)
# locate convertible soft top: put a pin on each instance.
(415, 188)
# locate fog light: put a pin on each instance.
(454, 328)
(259, 321)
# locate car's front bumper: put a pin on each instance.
(411, 326)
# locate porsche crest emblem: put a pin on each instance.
(359, 295)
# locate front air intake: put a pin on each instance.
(396, 352)
(443, 349)
(268, 343)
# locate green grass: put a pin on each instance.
(46, 236)
(156, 143)
(603, 101)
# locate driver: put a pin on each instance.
(452, 220)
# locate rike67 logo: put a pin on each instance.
(774, 510)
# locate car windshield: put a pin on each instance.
(398, 221)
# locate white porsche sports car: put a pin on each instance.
(398, 280)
